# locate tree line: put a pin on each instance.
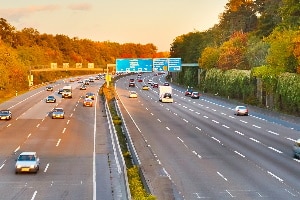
(254, 50)
(252, 54)
(27, 49)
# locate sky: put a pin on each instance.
(122, 21)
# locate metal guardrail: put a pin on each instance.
(121, 166)
(133, 153)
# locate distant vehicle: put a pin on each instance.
(27, 162)
(132, 94)
(90, 95)
(188, 91)
(50, 99)
(145, 87)
(166, 83)
(241, 110)
(58, 113)
(67, 92)
(131, 84)
(91, 79)
(72, 80)
(150, 81)
(296, 149)
(49, 88)
(80, 81)
(140, 80)
(155, 85)
(88, 102)
(195, 95)
(60, 90)
(86, 81)
(165, 94)
(82, 87)
(5, 115)
(131, 80)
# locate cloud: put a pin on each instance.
(82, 6)
(16, 13)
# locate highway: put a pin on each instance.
(74, 152)
(208, 152)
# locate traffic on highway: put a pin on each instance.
(210, 148)
(55, 148)
(190, 145)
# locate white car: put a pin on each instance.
(27, 162)
(132, 94)
(241, 110)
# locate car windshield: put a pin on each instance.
(195, 93)
(4, 112)
(58, 110)
(51, 97)
(26, 158)
(242, 107)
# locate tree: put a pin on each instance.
(209, 58)
(280, 54)
(290, 13)
(232, 53)
(256, 51)
(269, 16)
(7, 32)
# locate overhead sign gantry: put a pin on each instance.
(148, 64)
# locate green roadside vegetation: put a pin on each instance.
(137, 189)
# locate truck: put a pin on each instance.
(66, 92)
(165, 94)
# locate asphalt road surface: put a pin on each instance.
(206, 151)
(75, 152)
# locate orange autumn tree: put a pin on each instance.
(232, 52)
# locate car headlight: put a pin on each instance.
(18, 166)
(32, 166)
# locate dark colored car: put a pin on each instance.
(188, 92)
(166, 83)
(195, 95)
(296, 149)
(50, 99)
(5, 114)
(90, 95)
(155, 85)
(131, 84)
(58, 113)
(60, 90)
(82, 87)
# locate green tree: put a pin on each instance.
(280, 54)
(256, 51)
(290, 13)
(209, 58)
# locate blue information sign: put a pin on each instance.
(134, 65)
(148, 64)
(174, 64)
(160, 64)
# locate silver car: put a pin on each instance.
(58, 113)
(27, 162)
(241, 110)
(296, 149)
